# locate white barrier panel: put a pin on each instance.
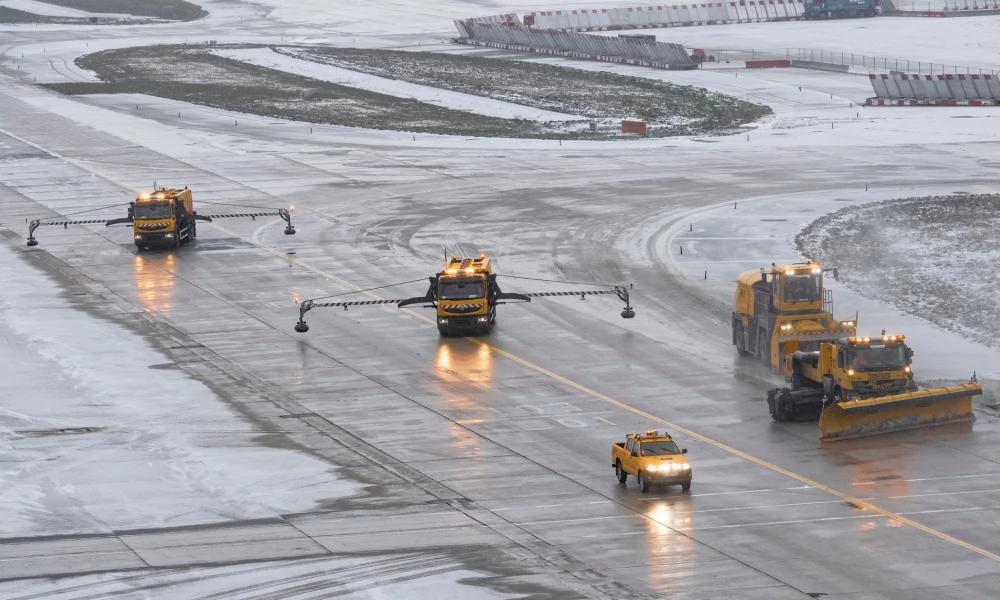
(576, 20)
(981, 83)
(719, 12)
(968, 87)
(658, 15)
(894, 91)
(756, 13)
(922, 86)
(941, 87)
(906, 85)
(735, 12)
(879, 86)
(602, 18)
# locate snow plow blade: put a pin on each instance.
(898, 412)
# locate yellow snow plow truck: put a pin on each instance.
(164, 218)
(782, 310)
(861, 386)
(465, 295)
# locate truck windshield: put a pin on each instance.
(461, 289)
(152, 210)
(658, 448)
(877, 356)
(801, 288)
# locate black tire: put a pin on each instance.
(739, 335)
(779, 407)
(686, 486)
(643, 484)
(772, 404)
(620, 473)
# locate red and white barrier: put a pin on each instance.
(929, 102)
(670, 15)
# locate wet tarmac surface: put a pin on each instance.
(496, 449)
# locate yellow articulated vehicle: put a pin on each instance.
(782, 310)
(861, 386)
(653, 459)
(465, 295)
(164, 218)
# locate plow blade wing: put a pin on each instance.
(898, 412)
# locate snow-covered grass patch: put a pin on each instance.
(98, 11)
(935, 257)
(200, 75)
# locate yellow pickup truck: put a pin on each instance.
(653, 459)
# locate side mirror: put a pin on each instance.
(684, 450)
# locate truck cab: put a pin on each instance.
(856, 367)
(464, 293)
(653, 458)
(163, 218)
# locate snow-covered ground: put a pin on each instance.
(969, 40)
(99, 431)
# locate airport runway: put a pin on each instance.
(492, 454)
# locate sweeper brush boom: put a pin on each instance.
(898, 412)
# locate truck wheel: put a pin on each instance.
(620, 473)
(741, 342)
(643, 484)
(686, 486)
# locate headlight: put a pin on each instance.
(850, 371)
(138, 237)
(483, 319)
(907, 369)
(442, 321)
(170, 236)
(685, 467)
(652, 468)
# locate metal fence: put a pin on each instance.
(641, 49)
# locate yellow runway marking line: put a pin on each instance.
(860, 503)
